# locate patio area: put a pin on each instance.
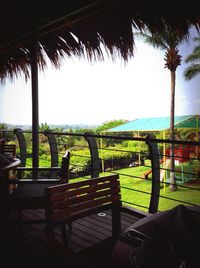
(89, 239)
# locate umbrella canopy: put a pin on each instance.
(158, 124)
(81, 28)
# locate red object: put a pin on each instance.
(182, 152)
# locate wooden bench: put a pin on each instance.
(71, 201)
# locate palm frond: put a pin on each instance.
(194, 57)
(82, 27)
(153, 40)
(192, 71)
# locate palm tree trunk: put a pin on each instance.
(173, 186)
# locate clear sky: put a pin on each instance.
(81, 92)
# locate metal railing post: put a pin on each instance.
(155, 163)
(54, 151)
(95, 160)
(22, 145)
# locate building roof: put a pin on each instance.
(158, 124)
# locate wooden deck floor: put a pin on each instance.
(89, 238)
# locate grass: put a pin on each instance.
(140, 189)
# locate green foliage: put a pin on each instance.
(108, 125)
(3, 126)
(7, 135)
(136, 146)
(70, 139)
(112, 154)
(82, 131)
(194, 59)
(80, 163)
(44, 149)
(44, 127)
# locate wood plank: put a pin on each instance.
(86, 233)
(62, 200)
(73, 185)
(102, 228)
(68, 210)
(83, 224)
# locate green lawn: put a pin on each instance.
(141, 199)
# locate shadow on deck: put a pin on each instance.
(90, 238)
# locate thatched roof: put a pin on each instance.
(80, 27)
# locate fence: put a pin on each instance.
(144, 174)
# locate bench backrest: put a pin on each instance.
(7, 148)
(72, 201)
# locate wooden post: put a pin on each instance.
(35, 106)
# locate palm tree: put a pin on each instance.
(42, 128)
(169, 41)
(3, 126)
(194, 58)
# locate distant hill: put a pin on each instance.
(23, 127)
(73, 127)
(52, 126)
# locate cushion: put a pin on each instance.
(173, 234)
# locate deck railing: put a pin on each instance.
(144, 169)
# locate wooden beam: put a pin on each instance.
(35, 106)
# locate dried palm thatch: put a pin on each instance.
(80, 28)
